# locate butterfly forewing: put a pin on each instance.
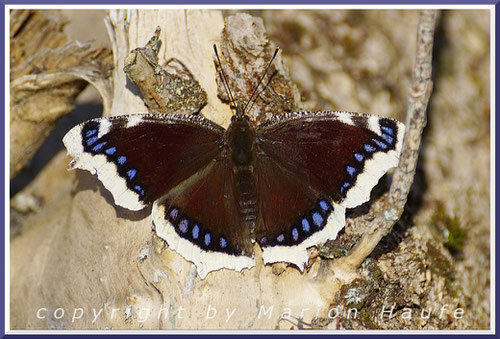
(329, 151)
(139, 158)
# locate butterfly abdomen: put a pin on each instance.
(246, 196)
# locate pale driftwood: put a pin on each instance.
(165, 89)
(185, 35)
(245, 52)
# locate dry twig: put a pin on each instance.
(420, 92)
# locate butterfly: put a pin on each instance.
(215, 193)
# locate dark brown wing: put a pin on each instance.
(311, 167)
(139, 158)
(178, 162)
(199, 219)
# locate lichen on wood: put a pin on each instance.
(167, 89)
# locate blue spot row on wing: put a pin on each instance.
(351, 170)
(90, 132)
(139, 190)
(121, 160)
(359, 157)
(98, 147)
(345, 186)
(369, 148)
(95, 145)
(196, 234)
(311, 222)
(387, 130)
(306, 226)
(110, 151)
(184, 225)
(382, 143)
(91, 141)
(131, 173)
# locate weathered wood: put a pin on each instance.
(47, 74)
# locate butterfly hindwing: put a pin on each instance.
(293, 216)
(199, 219)
(138, 157)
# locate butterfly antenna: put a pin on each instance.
(261, 79)
(261, 91)
(224, 79)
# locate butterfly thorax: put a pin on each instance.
(240, 139)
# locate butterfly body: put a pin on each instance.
(284, 184)
(240, 139)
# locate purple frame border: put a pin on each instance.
(250, 2)
(3, 3)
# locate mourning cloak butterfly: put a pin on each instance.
(284, 184)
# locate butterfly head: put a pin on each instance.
(240, 113)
